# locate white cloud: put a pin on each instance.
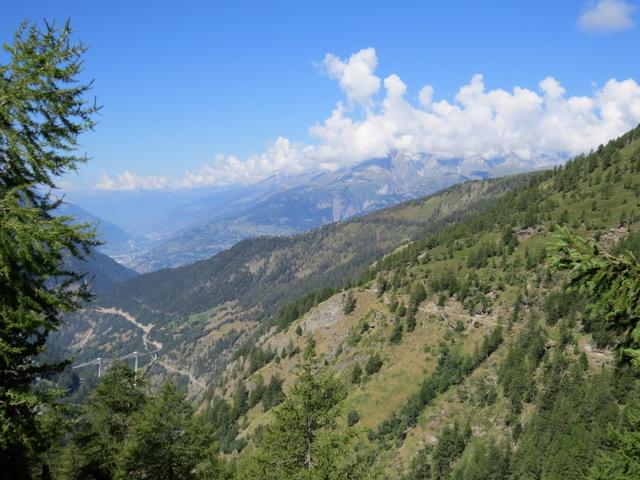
(607, 16)
(528, 127)
(355, 75)
(132, 181)
(106, 183)
(281, 156)
(425, 95)
(551, 87)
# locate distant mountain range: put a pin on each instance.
(441, 318)
(200, 312)
(169, 229)
(108, 232)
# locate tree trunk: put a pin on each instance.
(309, 442)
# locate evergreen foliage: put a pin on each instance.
(451, 443)
(123, 433)
(348, 303)
(374, 364)
(356, 374)
(301, 442)
(613, 284)
(273, 394)
(483, 460)
(573, 411)
(103, 425)
(43, 112)
(396, 334)
(166, 441)
(420, 468)
(451, 369)
(620, 456)
(517, 371)
(352, 418)
(224, 420)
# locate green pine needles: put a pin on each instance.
(612, 283)
(43, 112)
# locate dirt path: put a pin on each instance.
(157, 346)
(192, 379)
(131, 319)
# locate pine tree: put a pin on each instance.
(105, 421)
(374, 364)
(486, 460)
(382, 284)
(420, 468)
(257, 391)
(349, 303)
(396, 334)
(273, 394)
(302, 441)
(451, 443)
(166, 441)
(612, 283)
(620, 459)
(356, 374)
(420, 293)
(42, 114)
(411, 320)
(240, 400)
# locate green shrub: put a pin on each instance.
(352, 418)
(374, 364)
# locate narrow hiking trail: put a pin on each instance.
(131, 319)
(192, 379)
(157, 346)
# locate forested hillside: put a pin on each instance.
(203, 311)
(488, 331)
(463, 355)
(100, 271)
(501, 346)
(294, 204)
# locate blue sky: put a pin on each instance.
(183, 81)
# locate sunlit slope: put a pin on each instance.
(203, 311)
(471, 328)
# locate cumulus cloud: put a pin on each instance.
(527, 127)
(607, 16)
(355, 75)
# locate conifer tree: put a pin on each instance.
(240, 399)
(349, 303)
(612, 283)
(98, 434)
(301, 443)
(166, 441)
(486, 460)
(43, 112)
(620, 459)
(374, 364)
(273, 394)
(356, 374)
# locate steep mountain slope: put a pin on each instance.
(152, 217)
(200, 312)
(461, 354)
(102, 272)
(114, 238)
(298, 203)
